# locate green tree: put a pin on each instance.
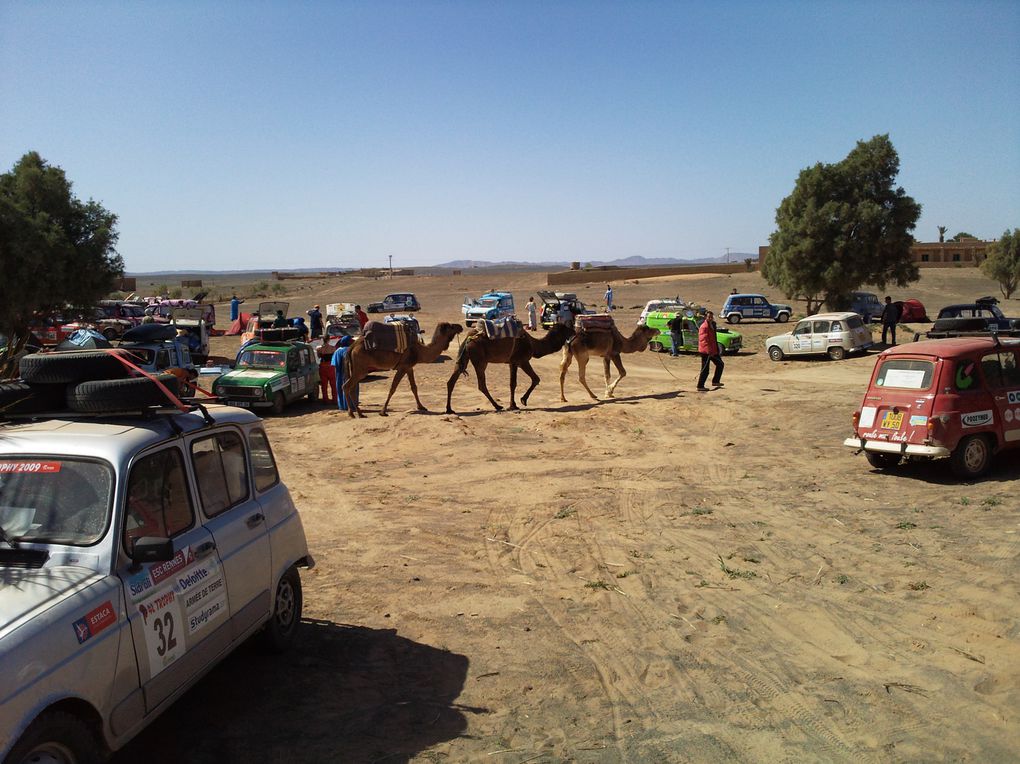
(963, 235)
(1003, 262)
(942, 233)
(844, 225)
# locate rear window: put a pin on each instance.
(854, 322)
(906, 374)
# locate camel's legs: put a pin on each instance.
(618, 362)
(480, 374)
(605, 373)
(582, 362)
(564, 365)
(526, 365)
(414, 388)
(450, 384)
(398, 374)
(353, 404)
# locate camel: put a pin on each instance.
(516, 351)
(608, 344)
(361, 362)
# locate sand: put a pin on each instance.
(666, 576)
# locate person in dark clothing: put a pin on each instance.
(315, 316)
(708, 347)
(280, 321)
(890, 317)
(675, 326)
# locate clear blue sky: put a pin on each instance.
(231, 135)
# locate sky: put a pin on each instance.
(278, 135)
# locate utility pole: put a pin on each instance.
(391, 266)
(727, 255)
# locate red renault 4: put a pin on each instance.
(957, 398)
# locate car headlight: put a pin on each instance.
(261, 393)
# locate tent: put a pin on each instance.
(239, 325)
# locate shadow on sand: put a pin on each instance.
(344, 693)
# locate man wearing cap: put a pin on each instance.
(316, 319)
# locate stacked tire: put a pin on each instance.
(88, 382)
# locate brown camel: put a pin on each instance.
(361, 362)
(608, 344)
(516, 351)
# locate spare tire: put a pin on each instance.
(72, 366)
(23, 398)
(104, 396)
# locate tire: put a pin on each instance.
(656, 346)
(282, 626)
(882, 461)
(104, 396)
(783, 317)
(56, 736)
(776, 353)
(733, 318)
(972, 457)
(837, 353)
(66, 367)
(279, 403)
(23, 398)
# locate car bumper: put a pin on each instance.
(906, 449)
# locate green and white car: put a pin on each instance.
(729, 340)
(270, 375)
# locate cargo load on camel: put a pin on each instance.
(507, 327)
(600, 322)
(393, 338)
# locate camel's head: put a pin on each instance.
(566, 331)
(448, 330)
(647, 334)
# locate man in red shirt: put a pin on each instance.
(708, 347)
(362, 316)
(327, 380)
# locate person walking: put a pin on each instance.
(315, 316)
(890, 317)
(609, 297)
(235, 308)
(343, 347)
(327, 377)
(532, 314)
(708, 347)
(362, 316)
(675, 326)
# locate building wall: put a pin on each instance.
(621, 274)
(950, 254)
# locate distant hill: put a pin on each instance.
(636, 261)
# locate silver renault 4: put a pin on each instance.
(135, 554)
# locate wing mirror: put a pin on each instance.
(151, 549)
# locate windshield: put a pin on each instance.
(55, 499)
(262, 359)
(488, 302)
(904, 373)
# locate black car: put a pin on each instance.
(981, 316)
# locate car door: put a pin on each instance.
(236, 522)
(820, 336)
(800, 342)
(1003, 379)
(178, 609)
(761, 308)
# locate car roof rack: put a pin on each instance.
(140, 412)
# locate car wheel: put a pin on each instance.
(782, 318)
(882, 461)
(972, 456)
(278, 404)
(776, 353)
(656, 346)
(282, 626)
(56, 737)
(837, 353)
(733, 318)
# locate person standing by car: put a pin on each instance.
(708, 347)
(532, 314)
(235, 307)
(327, 377)
(315, 316)
(609, 297)
(675, 326)
(362, 316)
(890, 317)
(280, 322)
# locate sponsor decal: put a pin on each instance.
(1008, 415)
(1013, 396)
(977, 418)
(94, 621)
(279, 384)
(42, 468)
(918, 421)
(965, 375)
(162, 570)
(868, 415)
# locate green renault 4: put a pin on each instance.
(270, 375)
(729, 340)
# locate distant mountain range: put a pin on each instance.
(637, 261)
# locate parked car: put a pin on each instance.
(260, 324)
(270, 375)
(47, 329)
(154, 347)
(955, 398)
(162, 310)
(969, 317)
(729, 340)
(551, 306)
(107, 322)
(402, 318)
(741, 307)
(832, 334)
(867, 306)
(138, 554)
(342, 319)
(488, 307)
(394, 302)
(662, 305)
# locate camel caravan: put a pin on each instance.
(396, 347)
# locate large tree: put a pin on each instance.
(1003, 262)
(845, 225)
(55, 250)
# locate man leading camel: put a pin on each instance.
(708, 347)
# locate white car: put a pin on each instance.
(135, 554)
(832, 334)
(663, 305)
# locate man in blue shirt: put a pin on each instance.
(235, 310)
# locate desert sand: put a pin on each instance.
(665, 576)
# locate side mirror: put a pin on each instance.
(151, 549)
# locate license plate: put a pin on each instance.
(247, 404)
(892, 421)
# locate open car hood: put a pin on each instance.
(270, 308)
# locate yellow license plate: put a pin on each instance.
(892, 421)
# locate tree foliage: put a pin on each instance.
(844, 225)
(55, 250)
(1003, 262)
(963, 235)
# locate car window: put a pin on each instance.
(965, 377)
(759, 300)
(905, 373)
(836, 326)
(854, 322)
(262, 462)
(55, 499)
(804, 327)
(821, 327)
(158, 501)
(1000, 369)
(220, 471)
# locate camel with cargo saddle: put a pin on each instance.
(608, 343)
(363, 359)
(481, 350)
